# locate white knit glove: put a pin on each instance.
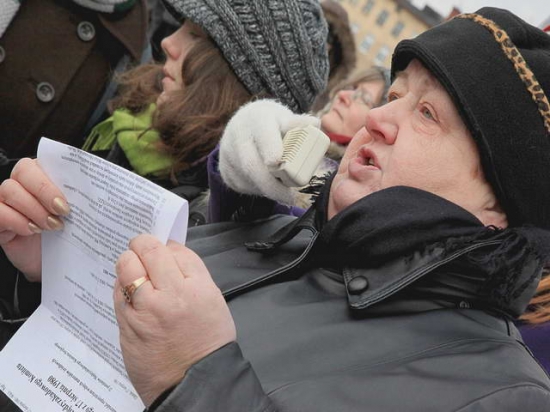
(252, 145)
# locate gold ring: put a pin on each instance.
(128, 291)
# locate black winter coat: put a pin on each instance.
(374, 312)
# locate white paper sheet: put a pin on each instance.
(66, 357)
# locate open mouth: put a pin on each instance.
(367, 157)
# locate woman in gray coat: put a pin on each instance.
(397, 289)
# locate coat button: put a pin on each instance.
(358, 285)
(45, 92)
(85, 31)
(2, 54)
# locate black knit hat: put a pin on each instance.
(496, 68)
(273, 46)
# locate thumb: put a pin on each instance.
(302, 120)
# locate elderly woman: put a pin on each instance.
(349, 102)
(428, 242)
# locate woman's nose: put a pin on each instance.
(381, 124)
(345, 96)
(166, 45)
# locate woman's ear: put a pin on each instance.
(494, 216)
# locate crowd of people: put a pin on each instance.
(414, 262)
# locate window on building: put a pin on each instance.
(382, 55)
(366, 44)
(397, 29)
(354, 2)
(369, 4)
(382, 17)
(354, 27)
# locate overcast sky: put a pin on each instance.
(532, 11)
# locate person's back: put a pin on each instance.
(56, 60)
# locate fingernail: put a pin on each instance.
(55, 223)
(34, 228)
(61, 207)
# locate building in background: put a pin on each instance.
(378, 25)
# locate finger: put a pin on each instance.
(158, 262)
(124, 315)
(14, 223)
(6, 237)
(33, 179)
(266, 117)
(25, 208)
(301, 121)
(189, 263)
(268, 141)
(129, 268)
(119, 305)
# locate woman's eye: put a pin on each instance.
(427, 114)
(392, 97)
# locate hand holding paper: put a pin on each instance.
(29, 204)
(79, 365)
(174, 320)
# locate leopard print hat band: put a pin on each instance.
(520, 65)
(495, 66)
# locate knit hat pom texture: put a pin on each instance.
(275, 47)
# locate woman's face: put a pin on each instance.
(419, 140)
(349, 107)
(176, 47)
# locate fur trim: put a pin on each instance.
(338, 21)
(335, 151)
(307, 195)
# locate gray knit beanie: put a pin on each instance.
(275, 47)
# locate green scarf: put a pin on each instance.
(136, 138)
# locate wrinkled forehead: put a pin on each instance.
(420, 75)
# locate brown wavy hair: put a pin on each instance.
(190, 121)
(539, 307)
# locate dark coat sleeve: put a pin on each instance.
(519, 398)
(221, 382)
(18, 299)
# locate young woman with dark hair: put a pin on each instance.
(168, 117)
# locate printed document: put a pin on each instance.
(66, 356)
